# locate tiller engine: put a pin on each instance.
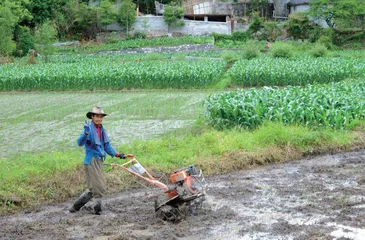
(182, 197)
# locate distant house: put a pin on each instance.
(216, 9)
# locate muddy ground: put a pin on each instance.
(316, 198)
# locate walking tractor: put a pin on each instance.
(182, 197)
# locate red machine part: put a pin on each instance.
(178, 177)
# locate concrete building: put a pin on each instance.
(215, 9)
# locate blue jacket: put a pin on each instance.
(95, 147)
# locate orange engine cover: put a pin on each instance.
(178, 176)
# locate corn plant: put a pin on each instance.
(111, 75)
(335, 105)
(266, 71)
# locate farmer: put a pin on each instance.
(97, 144)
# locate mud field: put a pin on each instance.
(316, 198)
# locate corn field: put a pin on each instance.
(88, 75)
(268, 71)
(335, 105)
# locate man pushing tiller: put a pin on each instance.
(97, 144)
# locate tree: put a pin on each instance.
(298, 25)
(334, 12)
(7, 23)
(108, 13)
(18, 8)
(44, 36)
(86, 21)
(44, 10)
(127, 14)
(24, 41)
(260, 6)
(173, 14)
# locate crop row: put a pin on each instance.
(334, 105)
(74, 58)
(111, 75)
(267, 71)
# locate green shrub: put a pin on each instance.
(218, 37)
(173, 15)
(281, 50)
(314, 34)
(25, 41)
(298, 25)
(319, 50)
(240, 36)
(256, 24)
(230, 56)
(112, 38)
(251, 50)
(139, 35)
(326, 41)
(273, 31)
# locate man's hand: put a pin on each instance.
(124, 156)
(86, 128)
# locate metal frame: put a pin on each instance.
(150, 179)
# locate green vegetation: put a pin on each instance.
(173, 15)
(127, 14)
(267, 71)
(110, 75)
(336, 105)
(132, 43)
(339, 13)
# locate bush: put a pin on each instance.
(251, 50)
(112, 37)
(298, 25)
(139, 35)
(173, 15)
(221, 37)
(230, 57)
(240, 36)
(319, 50)
(256, 24)
(280, 49)
(326, 41)
(314, 34)
(25, 41)
(273, 31)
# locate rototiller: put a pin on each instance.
(183, 197)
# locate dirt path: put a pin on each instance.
(317, 198)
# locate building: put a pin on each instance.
(216, 10)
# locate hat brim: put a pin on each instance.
(89, 114)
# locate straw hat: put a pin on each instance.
(96, 110)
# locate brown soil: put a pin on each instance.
(315, 198)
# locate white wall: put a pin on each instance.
(151, 25)
(156, 25)
(202, 28)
